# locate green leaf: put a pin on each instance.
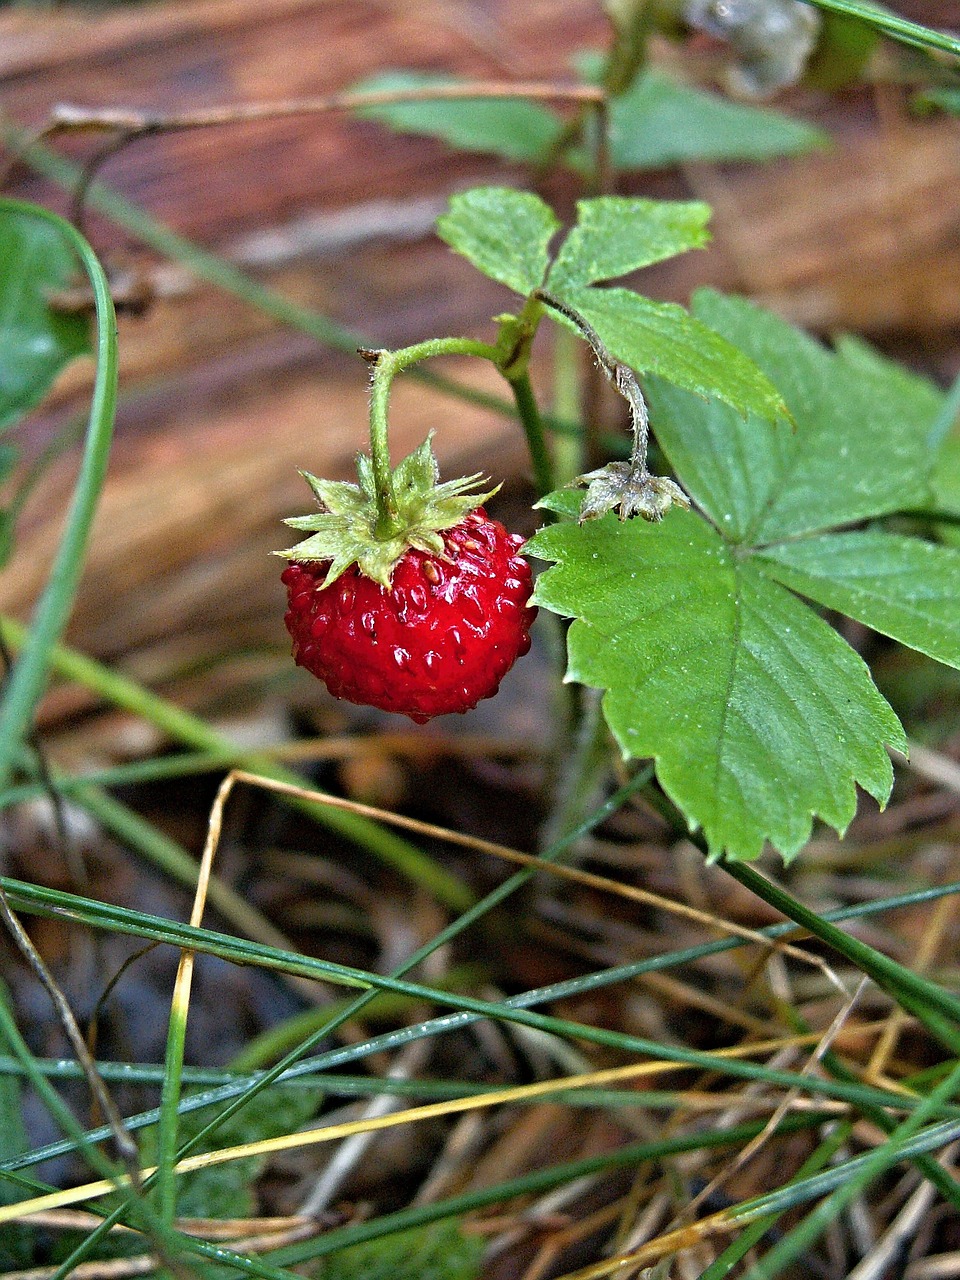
(946, 478)
(35, 341)
(943, 99)
(842, 51)
(923, 400)
(902, 587)
(880, 18)
(227, 1190)
(439, 1251)
(758, 714)
(516, 129)
(914, 396)
(859, 448)
(615, 235)
(662, 338)
(658, 123)
(504, 233)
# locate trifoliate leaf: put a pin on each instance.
(759, 716)
(858, 450)
(662, 338)
(902, 587)
(36, 340)
(514, 128)
(659, 123)
(504, 233)
(615, 235)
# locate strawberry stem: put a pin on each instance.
(386, 366)
(622, 377)
(533, 428)
(629, 488)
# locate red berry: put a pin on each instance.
(440, 638)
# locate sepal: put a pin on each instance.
(365, 473)
(630, 491)
(344, 530)
(417, 474)
(338, 496)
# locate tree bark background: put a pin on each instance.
(220, 405)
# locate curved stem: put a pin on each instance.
(622, 377)
(28, 677)
(383, 373)
(387, 364)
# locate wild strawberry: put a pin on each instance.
(424, 621)
(438, 639)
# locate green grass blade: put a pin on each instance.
(721, 1267)
(937, 1008)
(531, 1184)
(28, 677)
(165, 1239)
(473, 913)
(154, 769)
(870, 1167)
(931, 1169)
(892, 25)
(863, 1097)
(104, 916)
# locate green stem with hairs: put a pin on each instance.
(533, 429)
(387, 365)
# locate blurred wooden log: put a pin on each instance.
(861, 238)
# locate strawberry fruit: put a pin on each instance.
(438, 639)
(423, 615)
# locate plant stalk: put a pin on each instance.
(536, 437)
(386, 365)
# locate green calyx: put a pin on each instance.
(355, 526)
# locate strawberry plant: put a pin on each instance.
(700, 630)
